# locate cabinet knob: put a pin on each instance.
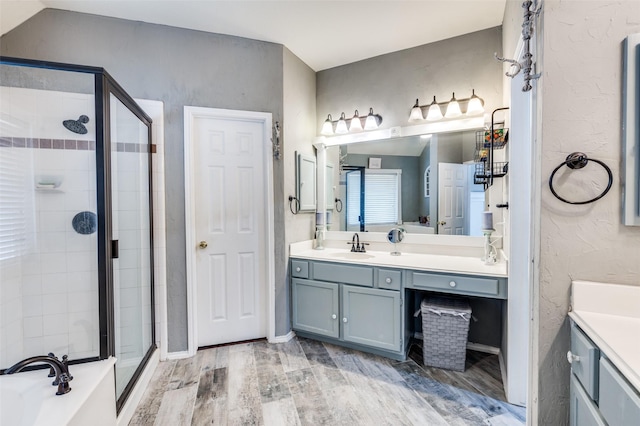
(572, 358)
(452, 284)
(344, 319)
(334, 316)
(298, 269)
(388, 280)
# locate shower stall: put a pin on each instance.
(76, 249)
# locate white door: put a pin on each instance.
(452, 198)
(231, 231)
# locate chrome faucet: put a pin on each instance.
(60, 369)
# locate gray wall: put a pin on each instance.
(391, 83)
(179, 67)
(299, 103)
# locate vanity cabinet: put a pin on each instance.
(350, 305)
(599, 394)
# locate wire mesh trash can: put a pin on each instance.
(445, 328)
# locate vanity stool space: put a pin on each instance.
(370, 307)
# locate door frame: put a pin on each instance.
(191, 113)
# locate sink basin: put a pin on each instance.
(353, 255)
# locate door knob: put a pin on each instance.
(442, 223)
(203, 244)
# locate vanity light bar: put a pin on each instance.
(454, 108)
(356, 123)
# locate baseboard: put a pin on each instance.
(503, 370)
(478, 347)
(178, 355)
(283, 339)
(129, 408)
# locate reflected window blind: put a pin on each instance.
(382, 197)
(14, 202)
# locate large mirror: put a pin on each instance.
(423, 183)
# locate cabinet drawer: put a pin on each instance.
(583, 410)
(585, 363)
(300, 269)
(619, 402)
(348, 274)
(389, 279)
(456, 284)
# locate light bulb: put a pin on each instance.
(355, 125)
(371, 123)
(416, 113)
(327, 126)
(475, 105)
(434, 113)
(453, 109)
(341, 126)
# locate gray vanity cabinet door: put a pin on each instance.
(371, 317)
(315, 307)
(583, 410)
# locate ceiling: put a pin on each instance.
(323, 33)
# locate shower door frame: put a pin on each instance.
(104, 85)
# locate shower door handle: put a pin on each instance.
(115, 252)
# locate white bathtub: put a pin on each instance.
(29, 399)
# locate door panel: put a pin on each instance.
(315, 307)
(371, 317)
(230, 229)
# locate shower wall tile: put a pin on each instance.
(54, 304)
(55, 324)
(53, 263)
(52, 242)
(32, 327)
(56, 343)
(34, 346)
(32, 306)
(32, 285)
(82, 301)
(55, 283)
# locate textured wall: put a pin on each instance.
(299, 94)
(179, 67)
(391, 83)
(581, 98)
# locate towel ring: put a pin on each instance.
(578, 160)
(338, 202)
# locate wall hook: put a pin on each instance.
(513, 63)
(276, 140)
(527, 62)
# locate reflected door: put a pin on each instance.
(452, 199)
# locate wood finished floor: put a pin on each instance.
(306, 382)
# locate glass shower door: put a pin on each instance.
(131, 247)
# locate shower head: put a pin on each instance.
(77, 126)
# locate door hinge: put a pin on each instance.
(115, 252)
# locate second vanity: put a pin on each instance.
(366, 301)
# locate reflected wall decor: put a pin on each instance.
(631, 131)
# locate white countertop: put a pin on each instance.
(416, 261)
(610, 315)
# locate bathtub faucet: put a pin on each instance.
(59, 367)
